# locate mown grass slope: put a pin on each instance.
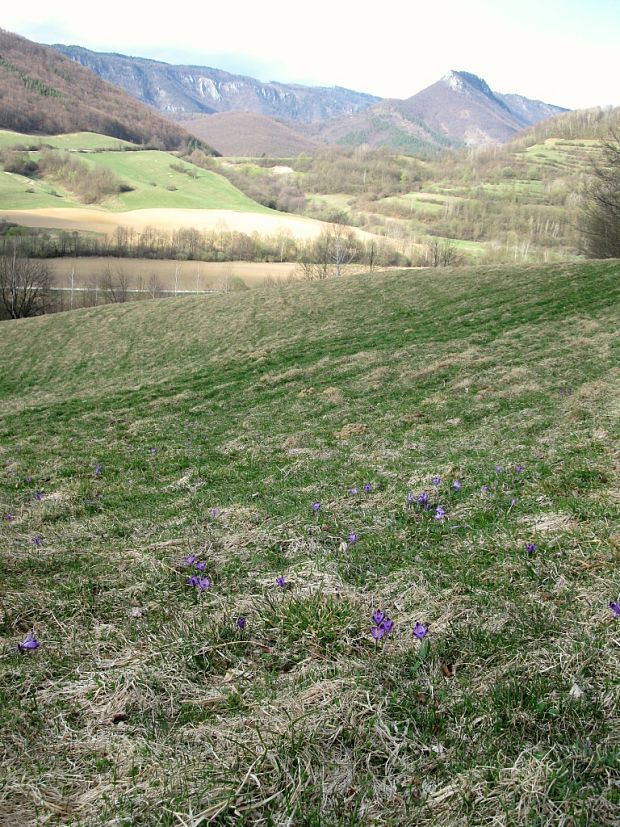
(134, 436)
(154, 179)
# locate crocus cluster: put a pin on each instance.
(201, 583)
(530, 548)
(382, 625)
(195, 580)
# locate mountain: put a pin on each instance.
(249, 134)
(43, 92)
(462, 107)
(458, 110)
(185, 89)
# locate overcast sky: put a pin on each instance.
(565, 52)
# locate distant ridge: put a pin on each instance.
(458, 110)
(183, 89)
(42, 91)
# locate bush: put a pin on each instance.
(19, 163)
(90, 184)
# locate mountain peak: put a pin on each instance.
(460, 81)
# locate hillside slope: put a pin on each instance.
(248, 134)
(138, 441)
(43, 92)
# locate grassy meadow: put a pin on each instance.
(208, 503)
(76, 141)
(153, 179)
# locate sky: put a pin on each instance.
(565, 52)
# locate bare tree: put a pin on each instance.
(342, 247)
(115, 283)
(153, 285)
(443, 253)
(24, 285)
(329, 254)
(600, 217)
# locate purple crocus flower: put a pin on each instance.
(353, 491)
(8, 517)
(203, 583)
(378, 617)
(38, 496)
(368, 488)
(189, 560)
(28, 480)
(193, 580)
(388, 625)
(519, 468)
(316, 506)
(485, 489)
(240, 624)
(440, 512)
(513, 502)
(38, 541)
(423, 498)
(615, 608)
(436, 480)
(377, 632)
(201, 566)
(281, 581)
(530, 548)
(97, 470)
(29, 642)
(352, 538)
(499, 469)
(420, 631)
(215, 512)
(410, 497)
(456, 485)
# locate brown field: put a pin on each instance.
(189, 275)
(92, 220)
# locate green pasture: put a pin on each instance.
(136, 437)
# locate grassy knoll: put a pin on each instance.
(20, 193)
(132, 436)
(72, 140)
(157, 181)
